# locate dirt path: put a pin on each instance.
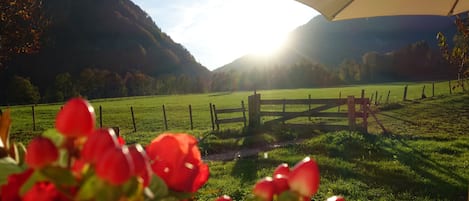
(231, 155)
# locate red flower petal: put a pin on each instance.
(224, 198)
(76, 118)
(115, 166)
(336, 198)
(304, 177)
(10, 191)
(282, 169)
(264, 189)
(176, 159)
(97, 144)
(40, 152)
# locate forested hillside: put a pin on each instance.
(323, 53)
(103, 48)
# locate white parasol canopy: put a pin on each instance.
(350, 9)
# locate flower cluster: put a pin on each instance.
(80, 162)
(297, 184)
(76, 161)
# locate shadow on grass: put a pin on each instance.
(392, 162)
(246, 169)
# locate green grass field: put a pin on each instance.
(149, 115)
(424, 156)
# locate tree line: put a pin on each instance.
(412, 63)
(95, 83)
(415, 62)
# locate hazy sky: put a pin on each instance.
(217, 32)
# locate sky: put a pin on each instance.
(216, 32)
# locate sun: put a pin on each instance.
(263, 26)
(267, 43)
(219, 32)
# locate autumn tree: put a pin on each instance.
(22, 91)
(459, 53)
(22, 23)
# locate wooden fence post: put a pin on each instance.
(133, 118)
(405, 93)
(340, 96)
(216, 116)
(423, 92)
(351, 112)
(433, 89)
(283, 110)
(254, 107)
(462, 84)
(450, 89)
(376, 97)
(100, 116)
(190, 117)
(387, 98)
(362, 96)
(364, 105)
(244, 113)
(309, 106)
(34, 118)
(164, 119)
(211, 116)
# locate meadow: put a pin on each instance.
(423, 156)
(148, 111)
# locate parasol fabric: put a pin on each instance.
(350, 9)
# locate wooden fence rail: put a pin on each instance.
(406, 93)
(255, 103)
(217, 121)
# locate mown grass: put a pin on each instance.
(425, 156)
(149, 115)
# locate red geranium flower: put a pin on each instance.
(10, 191)
(76, 119)
(41, 151)
(44, 191)
(176, 159)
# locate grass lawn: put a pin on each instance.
(149, 115)
(425, 157)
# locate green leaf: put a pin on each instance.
(59, 176)
(21, 154)
(288, 196)
(168, 199)
(157, 188)
(54, 135)
(252, 197)
(63, 158)
(8, 166)
(89, 188)
(181, 195)
(108, 192)
(35, 177)
(130, 188)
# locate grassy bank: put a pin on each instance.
(425, 157)
(149, 115)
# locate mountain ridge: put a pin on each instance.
(330, 43)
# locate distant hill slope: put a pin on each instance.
(107, 34)
(330, 43)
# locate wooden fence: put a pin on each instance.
(217, 120)
(318, 110)
(384, 97)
